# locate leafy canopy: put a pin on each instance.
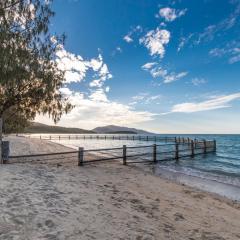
(29, 77)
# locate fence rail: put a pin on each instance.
(108, 137)
(178, 149)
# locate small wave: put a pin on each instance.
(217, 175)
(228, 157)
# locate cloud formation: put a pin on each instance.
(93, 108)
(230, 50)
(145, 98)
(97, 110)
(76, 67)
(198, 81)
(212, 31)
(159, 72)
(127, 39)
(170, 14)
(155, 41)
(213, 103)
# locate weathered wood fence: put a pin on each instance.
(179, 149)
(109, 137)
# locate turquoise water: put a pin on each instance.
(222, 167)
(215, 172)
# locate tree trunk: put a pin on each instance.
(1, 160)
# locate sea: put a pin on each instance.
(214, 172)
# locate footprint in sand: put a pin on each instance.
(49, 223)
(178, 217)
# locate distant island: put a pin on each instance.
(36, 127)
(117, 129)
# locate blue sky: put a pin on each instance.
(164, 66)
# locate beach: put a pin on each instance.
(105, 201)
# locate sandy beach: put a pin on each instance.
(106, 201)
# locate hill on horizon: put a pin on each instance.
(114, 129)
(36, 127)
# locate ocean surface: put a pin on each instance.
(216, 172)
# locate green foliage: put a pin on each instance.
(14, 121)
(29, 77)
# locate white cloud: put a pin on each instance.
(98, 96)
(158, 71)
(198, 81)
(172, 77)
(148, 65)
(107, 89)
(217, 52)
(96, 110)
(92, 109)
(155, 41)
(65, 91)
(76, 67)
(231, 51)
(234, 59)
(219, 28)
(170, 14)
(119, 49)
(213, 103)
(128, 39)
(145, 98)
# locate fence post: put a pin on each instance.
(80, 156)
(1, 160)
(176, 151)
(195, 142)
(214, 145)
(154, 153)
(205, 146)
(192, 148)
(124, 155)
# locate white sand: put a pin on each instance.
(107, 201)
(25, 146)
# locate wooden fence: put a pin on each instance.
(177, 150)
(152, 138)
(108, 137)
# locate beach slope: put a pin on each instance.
(107, 201)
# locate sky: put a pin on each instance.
(159, 65)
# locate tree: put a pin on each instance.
(15, 121)
(29, 77)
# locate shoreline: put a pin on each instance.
(232, 192)
(199, 183)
